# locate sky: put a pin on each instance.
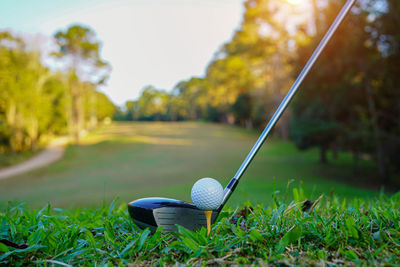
(147, 42)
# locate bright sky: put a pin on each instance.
(157, 42)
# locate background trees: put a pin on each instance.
(350, 101)
(353, 89)
(36, 101)
(80, 50)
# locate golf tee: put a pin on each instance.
(208, 218)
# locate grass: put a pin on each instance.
(333, 232)
(134, 160)
(347, 223)
(9, 159)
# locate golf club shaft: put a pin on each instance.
(285, 102)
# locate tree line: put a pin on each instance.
(37, 102)
(349, 102)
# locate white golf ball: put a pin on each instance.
(207, 194)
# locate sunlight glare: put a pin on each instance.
(294, 2)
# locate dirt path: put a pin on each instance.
(51, 154)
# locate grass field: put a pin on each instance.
(348, 226)
(133, 160)
(12, 159)
(330, 233)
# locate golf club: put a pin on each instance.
(156, 212)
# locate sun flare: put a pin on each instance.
(294, 2)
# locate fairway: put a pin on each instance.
(143, 159)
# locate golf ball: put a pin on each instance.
(207, 194)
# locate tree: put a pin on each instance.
(28, 96)
(382, 87)
(194, 95)
(227, 78)
(355, 87)
(332, 99)
(105, 108)
(80, 49)
(242, 110)
(256, 63)
(152, 105)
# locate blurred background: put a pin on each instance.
(149, 96)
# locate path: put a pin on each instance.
(51, 154)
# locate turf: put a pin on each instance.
(9, 159)
(332, 232)
(134, 160)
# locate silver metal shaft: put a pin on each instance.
(285, 102)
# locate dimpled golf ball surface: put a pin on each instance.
(207, 194)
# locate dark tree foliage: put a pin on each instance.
(356, 86)
(241, 109)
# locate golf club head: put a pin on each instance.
(155, 212)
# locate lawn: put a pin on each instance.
(331, 232)
(9, 159)
(141, 159)
(301, 212)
